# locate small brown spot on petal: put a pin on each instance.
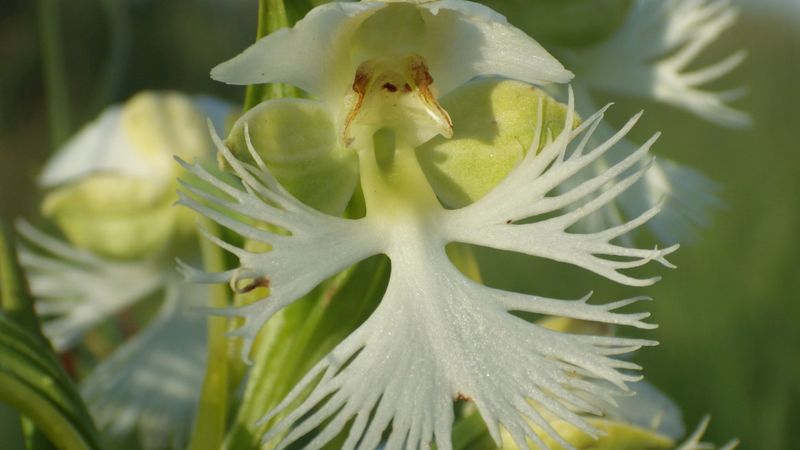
(463, 398)
(390, 87)
(257, 283)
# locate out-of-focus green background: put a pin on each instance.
(729, 316)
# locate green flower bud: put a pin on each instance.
(493, 123)
(114, 183)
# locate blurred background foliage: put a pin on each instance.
(729, 317)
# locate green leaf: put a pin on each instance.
(32, 382)
(212, 414)
(31, 379)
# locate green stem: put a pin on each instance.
(469, 431)
(271, 17)
(119, 35)
(54, 74)
(212, 415)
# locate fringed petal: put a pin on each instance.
(438, 337)
(151, 385)
(650, 54)
(77, 290)
(524, 193)
(306, 246)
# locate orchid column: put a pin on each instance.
(380, 73)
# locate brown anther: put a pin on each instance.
(390, 87)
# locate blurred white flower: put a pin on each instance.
(113, 188)
(436, 335)
(693, 441)
(151, 384)
(648, 58)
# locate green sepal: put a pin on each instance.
(493, 122)
(297, 140)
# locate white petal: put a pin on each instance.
(649, 55)
(77, 290)
(99, 146)
(106, 144)
(465, 40)
(151, 385)
(313, 55)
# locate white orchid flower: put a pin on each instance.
(151, 384)
(113, 187)
(436, 335)
(649, 56)
(362, 59)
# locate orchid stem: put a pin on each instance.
(271, 17)
(55, 80)
(210, 424)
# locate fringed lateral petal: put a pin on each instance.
(523, 195)
(649, 56)
(77, 290)
(306, 247)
